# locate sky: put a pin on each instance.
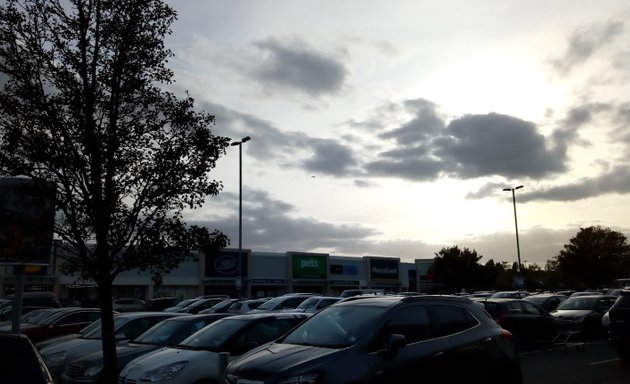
(391, 128)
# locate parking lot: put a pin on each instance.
(595, 363)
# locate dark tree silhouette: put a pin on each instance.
(457, 269)
(593, 258)
(83, 106)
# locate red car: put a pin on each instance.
(63, 322)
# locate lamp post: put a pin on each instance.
(519, 277)
(240, 209)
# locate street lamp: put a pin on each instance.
(519, 278)
(240, 208)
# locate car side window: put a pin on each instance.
(412, 322)
(514, 307)
(72, 319)
(450, 319)
(531, 309)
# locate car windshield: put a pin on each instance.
(35, 316)
(162, 332)
(536, 300)
(579, 303)
(335, 327)
(273, 303)
(184, 303)
(95, 332)
(212, 337)
(308, 303)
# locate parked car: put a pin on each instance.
(200, 305)
(221, 307)
(128, 304)
(363, 291)
(58, 339)
(245, 306)
(197, 359)
(547, 301)
(170, 332)
(315, 303)
(159, 303)
(21, 362)
(528, 323)
(180, 305)
(61, 322)
(127, 326)
(582, 315)
(619, 327)
(386, 339)
(30, 302)
(510, 294)
(30, 316)
(279, 303)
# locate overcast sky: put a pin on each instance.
(390, 128)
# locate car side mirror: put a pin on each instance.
(395, 342)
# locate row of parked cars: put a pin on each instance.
(384, 338)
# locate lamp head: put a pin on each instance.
(246, 138)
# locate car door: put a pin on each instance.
(72, 322)
(460, 341)
(414, 360)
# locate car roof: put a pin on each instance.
(276, 314)
(138, 314)
(391, 300)
(196, 316)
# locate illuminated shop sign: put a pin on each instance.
(309, 266)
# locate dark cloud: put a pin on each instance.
(295, 66)
(427, 123)
(584, 42)
(330, 157)
(269, 225)
(615, 181)
(494, 144)
(468, 147)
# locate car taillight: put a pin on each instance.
(505, 333)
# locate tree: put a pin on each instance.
(84, 107)
(593, 258)
(457, 269)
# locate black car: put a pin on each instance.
(387, 339)
(529, 324)
(167, 333)
(21, 362)
(619, 328)
(581, 316)
(547, 301)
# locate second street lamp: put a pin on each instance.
(240, 210)
(519, 276)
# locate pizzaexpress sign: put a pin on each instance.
(309, 267)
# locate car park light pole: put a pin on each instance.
(240, 209)
(519, 276)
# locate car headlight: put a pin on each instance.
(305, 378)
(93, 371)
(164, 373)
(55, 359)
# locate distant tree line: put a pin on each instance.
(591, 259)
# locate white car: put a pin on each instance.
(198, 358)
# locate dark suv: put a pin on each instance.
(619, 331)
(386, 339)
